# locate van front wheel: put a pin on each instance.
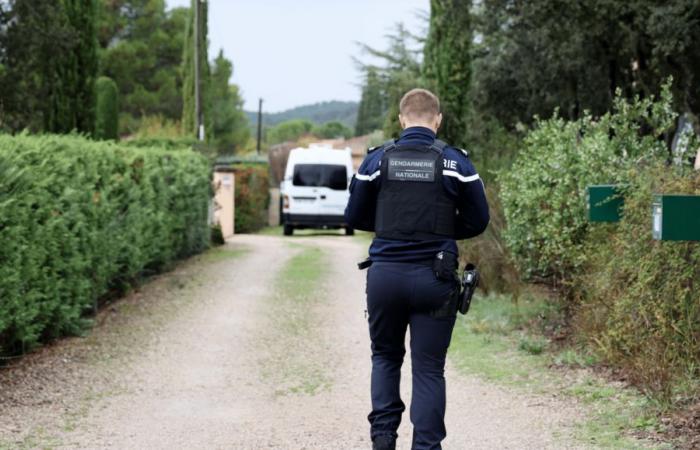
(349, 231)
(288, 230)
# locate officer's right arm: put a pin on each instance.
(464, 183)
(364, 187)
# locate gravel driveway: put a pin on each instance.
(197, 381)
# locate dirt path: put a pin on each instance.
(211, 380)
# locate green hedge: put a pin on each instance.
(252, 197)
(79, 219)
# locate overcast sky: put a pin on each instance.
(295, 52)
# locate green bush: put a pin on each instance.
(543, 193)
(252, 197)
(79, 219)
(640, 305)
(332, 130)
(107, 109)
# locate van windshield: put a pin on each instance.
(321, 175)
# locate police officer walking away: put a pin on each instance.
(419, 196)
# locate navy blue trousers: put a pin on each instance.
(402, 295)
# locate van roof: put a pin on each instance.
(319, 155)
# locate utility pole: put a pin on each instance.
(259, 124)
(197, 86)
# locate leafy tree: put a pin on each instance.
(290, 130)
(188, 70)
(370, 114)
(447, 63)
(230, 130)
(107, 109)
(332, 130)
(141, 50)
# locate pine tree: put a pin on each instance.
(230, 130)
(370, 114)
(447, 63)
(188, 70)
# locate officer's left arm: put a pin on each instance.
(463, 181)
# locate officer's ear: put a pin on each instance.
(402, 122)
(438, 121)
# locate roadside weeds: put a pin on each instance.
(498, 342)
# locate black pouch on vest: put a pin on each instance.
(445, 266)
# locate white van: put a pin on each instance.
(314, 191)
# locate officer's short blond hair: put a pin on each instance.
(419, 104)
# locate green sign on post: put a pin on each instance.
(676, 217)
(604, 203)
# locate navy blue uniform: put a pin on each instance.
(403, 291)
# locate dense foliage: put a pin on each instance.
(144, 47)
(539, 55)
(252, 197)
(107, 109)
(544, 199)
(141, 50)
(639, 305)
(629, 298)
(290, 130)
(38, 89)
(332, 130)
(80, 219)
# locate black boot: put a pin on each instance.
(384, 442)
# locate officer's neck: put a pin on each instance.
(429, 126)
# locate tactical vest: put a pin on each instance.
(412, 204)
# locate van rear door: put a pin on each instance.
(333, 191)
(320, 189)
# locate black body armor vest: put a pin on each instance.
(412, 204)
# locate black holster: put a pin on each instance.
(469, 281)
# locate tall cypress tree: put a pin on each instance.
(34, 37)
(72, 105)
(188, 101)
(107, 109)
(447, 63)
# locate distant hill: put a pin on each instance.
(319, 113)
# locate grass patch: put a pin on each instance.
(271, 231)
(295, 367)
(502, 341)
